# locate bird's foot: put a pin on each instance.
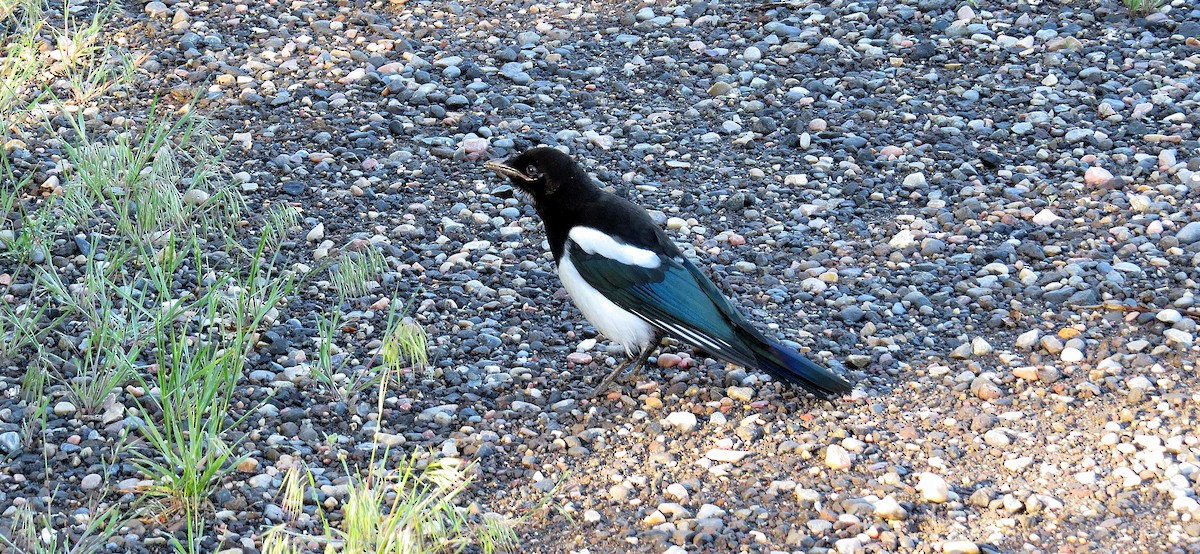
(637, 368)
(612, 377)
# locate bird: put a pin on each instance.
(634, 284)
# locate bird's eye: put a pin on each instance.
(532, 171)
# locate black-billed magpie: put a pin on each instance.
(634, 285)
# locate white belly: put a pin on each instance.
(622, 327)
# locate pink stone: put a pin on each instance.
(1096, 175)
(581, 358)
(669, 360)
(1026, 372)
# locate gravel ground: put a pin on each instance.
(987, 215)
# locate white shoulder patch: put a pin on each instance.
(593, 241)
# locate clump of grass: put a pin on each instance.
(198, 359)
(1140, 8)
(162, 294)
(33, 532)
(21, 61)
(152, 305)
(405, 346)
(406, 509)
(352, 276)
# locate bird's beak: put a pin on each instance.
(502, 169)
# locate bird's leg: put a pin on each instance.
(637, 367)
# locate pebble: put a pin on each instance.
(933, 488)
(888, 508)
(960, 547)
(316, 234)
(195, 197)
(678, 492)
(668, 360)
(1071, 355)
(980, 346)
(10, 442)
(1096, 176)
(997, 438)
(902, 240)
(1180, 337)
(819, 527)
(1045, 217)
(1189, 234)
(1052, 344)
(1140, 382)
(684, 421)
(1128, 478)
(1018, 464)
(725, 455)
(91, 481)
(1028, 339)
(852, 545)
(837, 457)
(1026, 372)
(1169, 316)
(719, 88)
(743, 394)
(579, 358)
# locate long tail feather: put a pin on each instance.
(786, 364)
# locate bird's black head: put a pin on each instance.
(543, 173)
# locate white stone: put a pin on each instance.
(837, 457)
(677, 491)
(1169, 315)
(960, 547)
(933, 488)
(1139, 382)
(709, 511)
(157, 9)
(1018, 464)
(889, 508)
(725, 455)
(1028, 339)
(813, 285)
(1128, 477)
(684, 421)
(195, 197)
(1179, 337)
(997, 438)
(1045, 217)
(1071, 355)
(902, 240)
(913, 180)
(851, 545)
(1139, 202)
